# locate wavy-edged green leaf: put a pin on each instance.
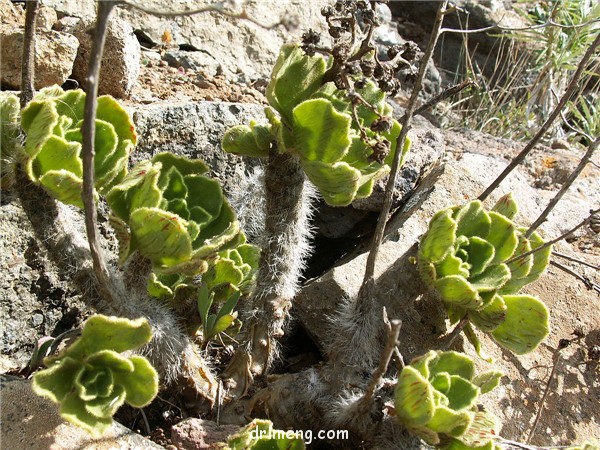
(184, 166)
(503, 236)
(490, 316)
(161, 236)
(320, 132)
(295, 77)
(74, 410)
(451, 422)
(462, 393)
(57, 380)
(451, 265)
(110, 333)
(109, 110)
(38, 120)
(525, 325)
(521, 267)
(541, 259)
(440, 236)
(481, 253)
(481, 434)
(337, 183)
(487, 381)
(472, 220)
(493, 278)
(141, 385)
(414, 397)
(253, 140)
(453, 363)
(64, 186)
(507, 206)
(456, 290)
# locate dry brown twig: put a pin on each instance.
(28, 58)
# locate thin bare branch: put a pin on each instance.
(585, 280)
(28, 61)
(448, 92)
(577, 260)
(217, 7)
(571, 88)
(561, 237)
(584, 161)
(391, 344)
(87, 151)
(366, 291)
(555, 360)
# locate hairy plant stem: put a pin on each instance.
(571, 89)
(88, 131)
(365, 296)
(28, 58)
(567, 184)
(282, 258)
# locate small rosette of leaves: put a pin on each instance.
(436, 396)
(52, 122)
(172, 214)
(91, 378)
(342, 148)
(259, 434)
(468, 255)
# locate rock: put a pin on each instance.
(36, 299)
(193, 129)
(120, 63)
(30, 421)
(11, 14)
(239, 45)
(198, 434)
(46, 17)
(66, 24)
(55, 52)
(197, 61)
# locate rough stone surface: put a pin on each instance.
(32, 422)
(193, 129)
(120, 63)
(198, 434)
(35, 298)
(55, 52)
(242, 47)
(46, 17)
(11, 14)
(194, 61)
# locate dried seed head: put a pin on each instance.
(393, 51)
(380, 150)
(367, 66)
(410, 51)
(311, 37)
(382, 124)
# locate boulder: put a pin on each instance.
(30, 421)
(46, 17)
(120, 63)
(55, 52)
(198, 434)
(240, 46)
(11, 14)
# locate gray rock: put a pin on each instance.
(195, 130)
(32, 422)
(55, 54)
(197, 61)
(198, 434)
(120, 63)
(239, 45)
(35, 298)
(11, 14)
(46, 17)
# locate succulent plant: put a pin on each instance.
(260, 435)
(173, 215)
(91, 379)
(331, 131)
(10, 145)
(52, 122)
(466, 255)
(436, 396)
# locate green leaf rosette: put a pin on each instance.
(467, 256)
(52, 122)
(91, 379)
(318, 123)
(172, 214)
(436, 396)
